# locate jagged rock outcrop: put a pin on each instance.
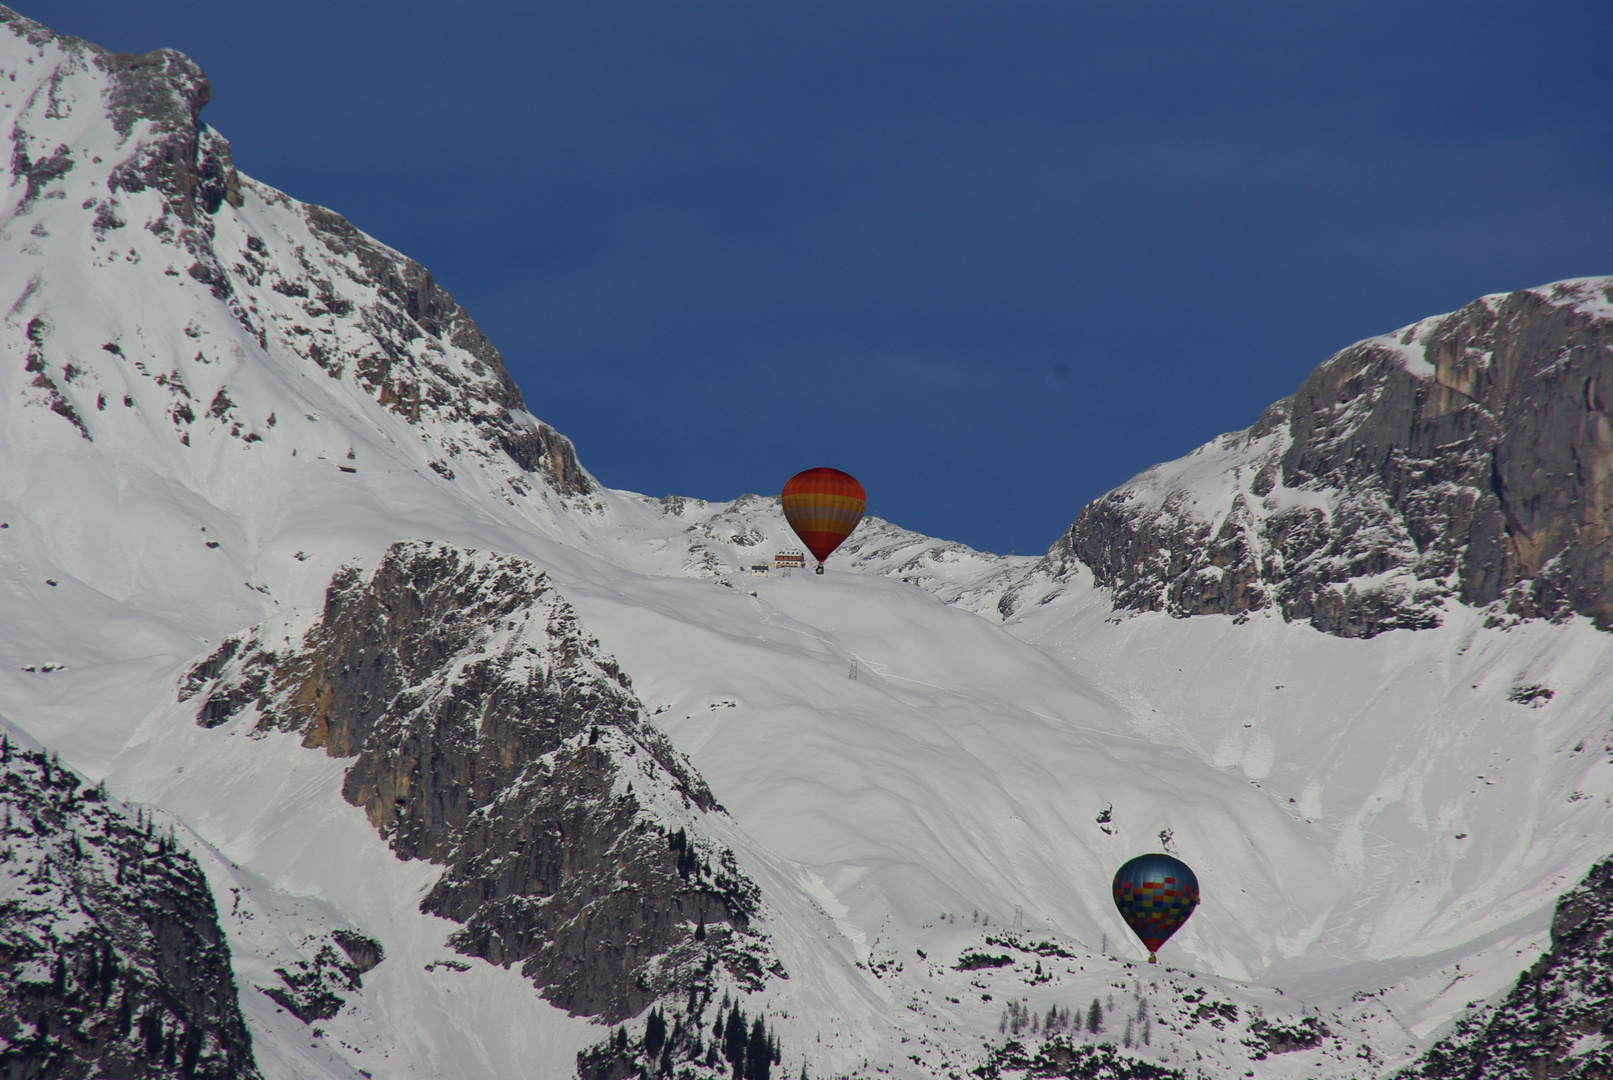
(1467, 458)
(112, 962)
(105, 145)
(411, 319)
(1062, 1057)
(490, 735)
(312, 988)
(1557, 1023)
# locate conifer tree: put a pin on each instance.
(654, 1034)
(758, 1054)
(734, 1040)
(151, 1032)
(1095, 1017)
(192, 1053)
(108, 973)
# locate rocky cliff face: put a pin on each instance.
(1466, 458)
(490, 735)
(112, 962)
(1558, 1021)
(109, 150)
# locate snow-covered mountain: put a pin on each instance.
(493, 771)
(111, 942)
(1464, 458)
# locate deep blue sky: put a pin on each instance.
(992, 258)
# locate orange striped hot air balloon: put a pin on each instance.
(823, 506)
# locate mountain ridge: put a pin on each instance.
(224, 408)
(485, 756)
(1464, 458)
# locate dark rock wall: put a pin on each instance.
(1558, 1021)
(112, 962)
(1490, 482)
(489, 734)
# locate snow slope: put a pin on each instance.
(888, 757)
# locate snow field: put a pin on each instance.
(1363, 816)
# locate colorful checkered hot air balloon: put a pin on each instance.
(1155, 895)
(823, 506)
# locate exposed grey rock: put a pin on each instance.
(34, 362)
(411, 305)
(1558, 1020)
(407, 343)
(311, 989)
(1469, 458)
(112, 962)
(177, 155)
(39, 173)
(365, 952)
(489, 734)
(1268, 1037)
(1063, 1056)
(181, 157)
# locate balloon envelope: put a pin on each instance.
(823, 506)
(1155, 895)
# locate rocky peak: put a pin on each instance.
(1467, 458)
(179, 155)
(153, 101)
(109, 153)
(489, 734)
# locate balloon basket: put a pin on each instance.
(1152, 959)
(819, 570)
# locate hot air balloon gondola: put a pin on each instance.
(1155, 895)
(823, 506)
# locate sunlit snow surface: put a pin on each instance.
(1378, 827)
